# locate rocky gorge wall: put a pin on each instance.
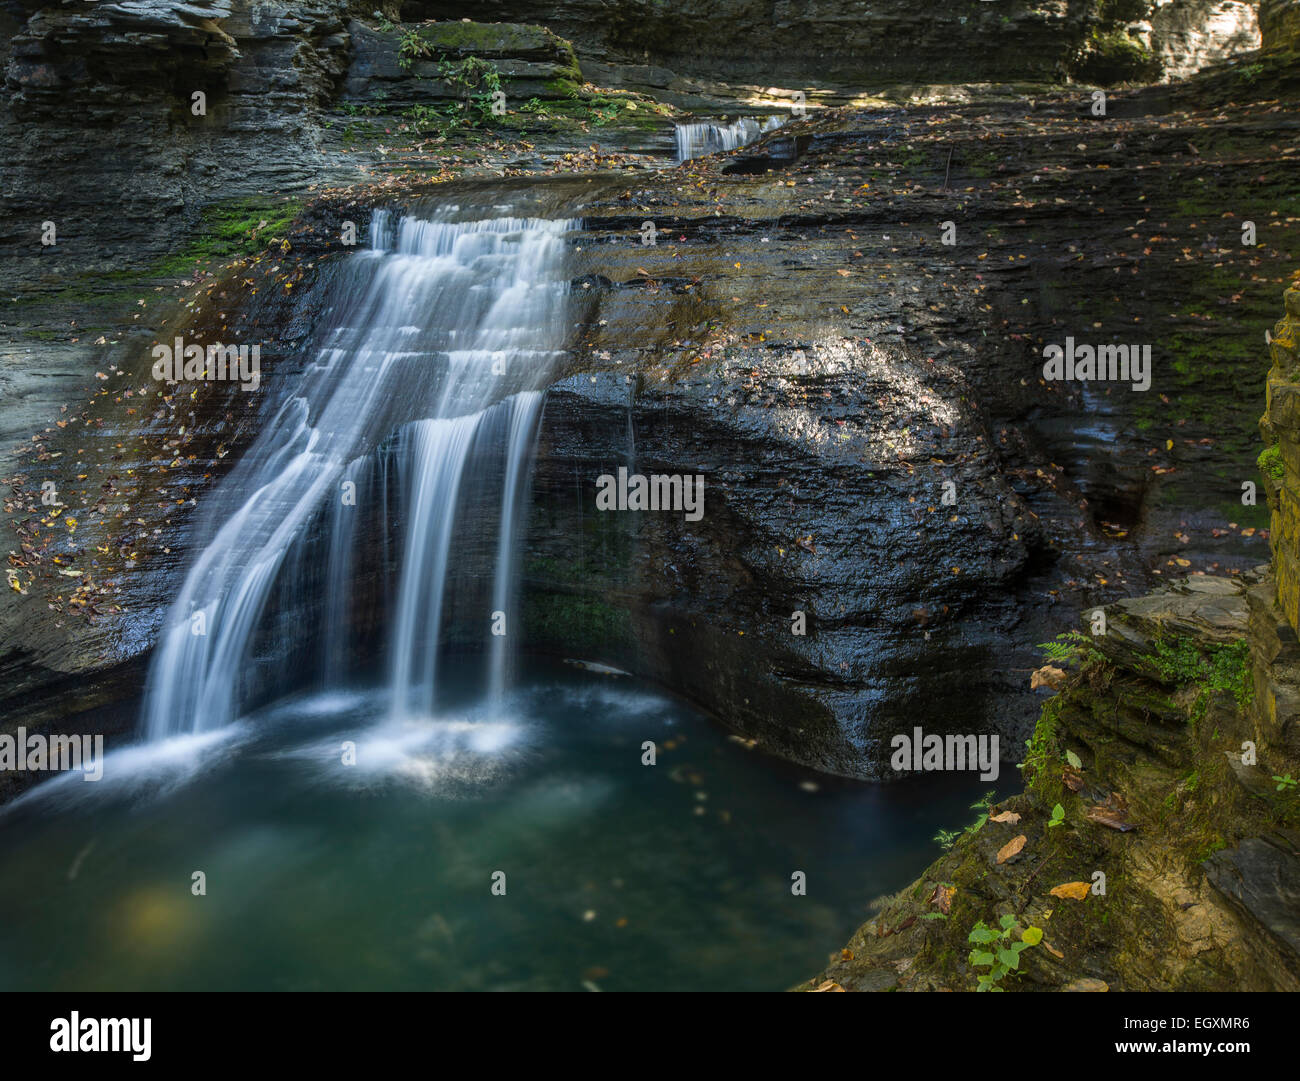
(800, 311)
(1156, 844)
(869, 44)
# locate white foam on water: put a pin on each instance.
(154, 769)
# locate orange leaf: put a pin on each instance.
(1047, 676)
(1075, 891)
(1011, 848)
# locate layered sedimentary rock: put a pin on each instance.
(1156, 845)
(888, 40)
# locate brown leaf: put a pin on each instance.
(942, 897)
(1052, 949)
(1009, 817)
(1011, 848)
(829, 985)
(1072, 778)
(1103, 816)
(1113, 813)
(1047, 676)
(1075, 891)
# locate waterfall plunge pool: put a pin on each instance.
(378, 875)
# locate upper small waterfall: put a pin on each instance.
(442, 334)
(707, 137)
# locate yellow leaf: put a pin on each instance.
(1075, 891)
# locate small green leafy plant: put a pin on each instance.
(1069, 647)
(999, 950)
(1222, 668)
(1058, 816)
(1284, 782)
(945, 839)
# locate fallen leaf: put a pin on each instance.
(1072, 779)
(942, 897)
(1011, 848)
(1112, 813)
(1010, 817)
(1047, 676)
(829, 985)
(1075, 891)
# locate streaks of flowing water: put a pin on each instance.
(696, 139)
(443, 333)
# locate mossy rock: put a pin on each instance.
(1112, 57)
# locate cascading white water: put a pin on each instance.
(706, 137)
(441, 333)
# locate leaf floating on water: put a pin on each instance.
(1011, 848)
(1074, 891)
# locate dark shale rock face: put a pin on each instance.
(531, 60)
(824, 495)
(884, 41)
(100, 133)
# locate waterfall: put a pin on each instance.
(706, 137)
(439, 340)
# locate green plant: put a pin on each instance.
(411, 47)
(1284, 782)
(1222, 668)
(1058, 816)
(946, 838)
(478, 82)
(424, 118)
(602, 115)
(1069, 647)
(1003, 949)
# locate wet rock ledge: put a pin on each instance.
(1156, 844)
